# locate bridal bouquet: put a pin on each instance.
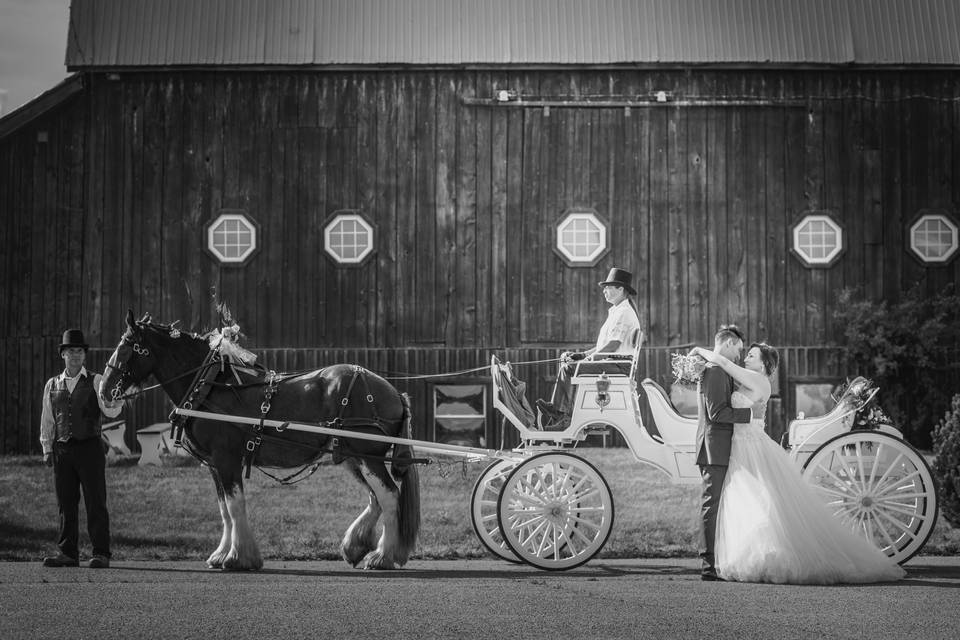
(687, 369)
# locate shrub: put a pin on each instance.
(905, 347)
(946, 464)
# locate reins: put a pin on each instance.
(142, 390)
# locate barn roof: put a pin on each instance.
(163, 33)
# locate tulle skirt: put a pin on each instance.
(773, 527)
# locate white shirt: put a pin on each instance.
(621, 324)
(47, 423)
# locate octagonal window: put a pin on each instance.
(232, 237)
(933, 238)
(581, 237)
(348, 237)
(817, 240)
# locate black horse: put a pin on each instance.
(192, 368)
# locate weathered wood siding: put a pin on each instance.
(106, 209)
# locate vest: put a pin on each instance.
(75, 415)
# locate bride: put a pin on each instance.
(772, 526)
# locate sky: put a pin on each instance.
(33, 45)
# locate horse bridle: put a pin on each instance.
(116, 393)
(128, 341)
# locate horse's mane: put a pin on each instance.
(171, 329)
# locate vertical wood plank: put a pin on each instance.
(659, 329)
(428, 326)
(465, 312)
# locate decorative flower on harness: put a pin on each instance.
(226, 342)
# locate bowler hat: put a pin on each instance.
(620, 278)
(73, 338)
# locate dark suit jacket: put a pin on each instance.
(716, 417)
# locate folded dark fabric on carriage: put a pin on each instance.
(515, 397)
(553, 419)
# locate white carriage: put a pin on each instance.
(541, 504)
(552, 509)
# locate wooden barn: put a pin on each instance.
(413, 185)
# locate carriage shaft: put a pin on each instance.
(280, 425)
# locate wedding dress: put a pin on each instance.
(773, 527)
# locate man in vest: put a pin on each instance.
(618, 337)
(70, 437)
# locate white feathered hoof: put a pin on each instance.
(378, 560)
(216, 559)
(238, 563)
(353, 552)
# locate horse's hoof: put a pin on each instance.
(376, 560)
(238, 566)
(353, 555)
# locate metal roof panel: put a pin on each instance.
(134, 33)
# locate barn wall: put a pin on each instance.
(107, 210)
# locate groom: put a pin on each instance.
(715, 420)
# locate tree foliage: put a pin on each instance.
(907, 348)
(946, 464)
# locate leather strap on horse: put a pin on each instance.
(341, 450)
(197, 392)
(254, 442)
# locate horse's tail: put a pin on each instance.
(408, 507)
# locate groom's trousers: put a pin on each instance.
(712, 476)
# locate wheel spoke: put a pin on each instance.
(859, 445)
(583, 496)
(899, 525)
(867, 530)
(896, 483)
(876, 461)
(518, 521)
(890, 468)
(902, 496)
(570, 544)
(833, 492)
(902, 509)
(886, 534)
(840, 482)
(540, 527)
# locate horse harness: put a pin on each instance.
(205, 381)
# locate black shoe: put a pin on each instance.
(99, 562)
(711, 577)
(61, 560)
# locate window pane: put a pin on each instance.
(814, 398)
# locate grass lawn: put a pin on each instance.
(170, 512)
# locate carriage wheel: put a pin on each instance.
(555, 511)
(483, 508)
(880, 487)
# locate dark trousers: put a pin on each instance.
(713, 476)
(81, 464)
(563, 390)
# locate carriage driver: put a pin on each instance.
(618, 336)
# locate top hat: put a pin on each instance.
(73, 338)
(620, 278)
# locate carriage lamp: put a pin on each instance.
(603, 386)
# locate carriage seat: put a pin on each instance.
(668, 422)
(802, 428)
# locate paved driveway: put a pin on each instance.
(650, 598)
